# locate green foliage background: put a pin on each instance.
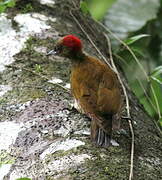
(5, 4)
(139, 25)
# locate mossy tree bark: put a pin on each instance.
(112, 163)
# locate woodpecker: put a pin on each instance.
(95, 88)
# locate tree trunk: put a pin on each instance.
(52, 141)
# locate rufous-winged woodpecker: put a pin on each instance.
(95, 88)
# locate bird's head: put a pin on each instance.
(67, 46)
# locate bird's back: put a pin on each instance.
(95, 80)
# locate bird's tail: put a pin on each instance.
(100, 136)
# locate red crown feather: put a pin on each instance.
(72, 42)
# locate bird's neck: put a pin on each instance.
(77, 57)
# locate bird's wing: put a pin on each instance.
(109, 98)
(108, 95)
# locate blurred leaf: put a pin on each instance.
(157, 80)
(5, 4)
(129, 15)
(138, 51)
(135, 38)
(157, 75)
(157, 88)
(2, 8)
(27, 8)
(99, 8)
(160, 122)
(157, 71)
(138, 90)
(84, 7)
(148, 107)
(11, 3)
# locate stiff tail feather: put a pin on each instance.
(99, 136)
(102, 139)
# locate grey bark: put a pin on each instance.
(102, 164)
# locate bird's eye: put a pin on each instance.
(58, 49)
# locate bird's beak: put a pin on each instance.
(56, 51)
(52, 52)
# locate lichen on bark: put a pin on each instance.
(42, 109)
